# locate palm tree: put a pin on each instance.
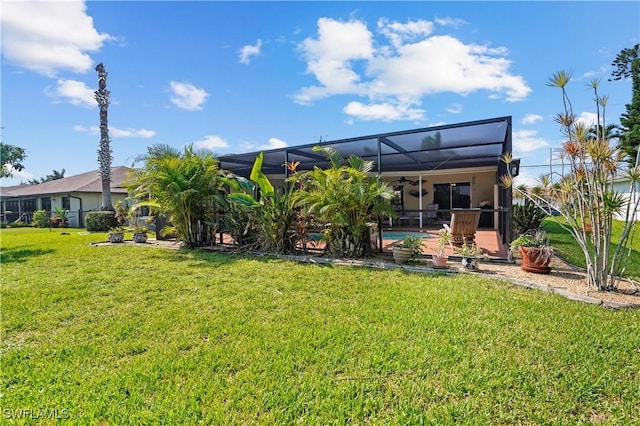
(104, 153)
(53, 176)
(186, 186)
(347, 200)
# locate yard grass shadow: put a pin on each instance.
(21, 254)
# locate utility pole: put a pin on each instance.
(104, 153)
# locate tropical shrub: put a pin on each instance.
(584, 195)
(187, 187)
(40, 219)
(527, 216)
(268, 223)
(100, 221)
(345, 200)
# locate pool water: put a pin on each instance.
(386, 235)
(399, 235)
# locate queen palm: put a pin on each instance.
(346, 199)
(187, 186)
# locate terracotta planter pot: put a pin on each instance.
(401, 254)
(534, 260)
(439, 262)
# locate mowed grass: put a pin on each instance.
(565, 245)
(134, 335)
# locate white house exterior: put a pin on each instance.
(78, 194)
(624, 187)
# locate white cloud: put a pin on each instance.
(17, 175)
(591, 74)
(382, 111)
(115, 132)
(452, 22)
(330, 56)
(525, 141)
(248, 51)
(131, 133)
(531, 118)
(455, 109)
(273, 143)
(527, 179)
(346, 60)
(398, 33)
(74, 92)
(49, 36)
(589, 119)
(211, 142)
(187, 96)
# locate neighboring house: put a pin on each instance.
(624, 187)
(79, 194)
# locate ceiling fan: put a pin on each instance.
(403, 180)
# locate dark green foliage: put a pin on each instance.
(101, 221)
(627, 65)
(40, 219)
(13, 156)
(269, 223)
(239, 222)
(527, 217)
(345, 199)
(55, 175)
(187, 187)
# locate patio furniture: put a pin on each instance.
(432, 213)
(464, 224)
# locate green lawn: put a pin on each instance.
(132, 335)
(565, 245)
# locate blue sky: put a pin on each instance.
(244, 76)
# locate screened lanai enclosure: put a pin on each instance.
(432, 170)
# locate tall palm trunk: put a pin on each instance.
(104, 153)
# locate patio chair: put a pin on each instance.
(463, 227)
(432, 213)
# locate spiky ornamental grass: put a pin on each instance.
(583, 192)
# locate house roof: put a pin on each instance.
(462, 145)
(83, 182)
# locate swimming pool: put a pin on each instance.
(386, 235)
(399, 235)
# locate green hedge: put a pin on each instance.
(101, 221)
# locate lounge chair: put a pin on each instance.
(463, 227)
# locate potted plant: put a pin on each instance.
(62, 217)
(471, 255)
(535, 250)
(140, 234)
(407, 248)
(116, 234)
(439, 258)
